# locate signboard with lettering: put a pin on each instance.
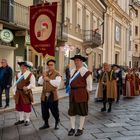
(6, 36)
(43, 27)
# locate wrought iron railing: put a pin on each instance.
(92, 37)
(21, 15)
(14, 12)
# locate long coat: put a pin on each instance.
(27, 96)
(111, 85)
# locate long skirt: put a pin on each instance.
(129, 89)
(21, 106)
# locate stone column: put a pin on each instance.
(109, 38)
(113, 40)
(90, 62)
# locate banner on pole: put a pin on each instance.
(43, 27)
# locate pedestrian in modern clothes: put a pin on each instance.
(23, 96)
(5, 81)
(51, 80)
(79, 87)
(107, 89)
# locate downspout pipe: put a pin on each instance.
(63, 17)
(105, 5)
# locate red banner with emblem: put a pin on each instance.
(43, 27)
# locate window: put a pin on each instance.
(136, 30)
(94, 22)
(116, 58)
(136, 13)
(68, 10)
(136, 47)
(129, 64)
(117, 33)
(79, 15)
(87, 20)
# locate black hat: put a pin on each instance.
(79, 57)
(51, 60)
(25, 63)
(115, 65)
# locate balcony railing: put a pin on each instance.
(21, 15)
(62, 31)
(14, 12)
(92, 38)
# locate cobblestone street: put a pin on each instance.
(123, 123)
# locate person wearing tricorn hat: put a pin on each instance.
(51, 80)
(118, 73)
(22, 88)
(79, 86)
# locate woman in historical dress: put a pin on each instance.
(129, 85)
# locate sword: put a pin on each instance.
(34, 111)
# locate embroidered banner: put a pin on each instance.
(43, 27)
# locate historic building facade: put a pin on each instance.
(117, 32)
(83, 21)
(136, 36)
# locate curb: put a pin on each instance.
(3, 110)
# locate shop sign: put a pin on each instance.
(6, 36)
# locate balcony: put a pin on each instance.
(21, 15)
(15, 13)
(62, 31)
(92, 39)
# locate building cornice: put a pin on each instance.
(118, 10)
(89, 8)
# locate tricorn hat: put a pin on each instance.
(26, 63)
(115, 65)
(79, 57)
(51, 60)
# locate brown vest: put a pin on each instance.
(27, 96)
(79, 91)
(48, 88)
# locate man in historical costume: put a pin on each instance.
(79, 87)
(118, 73)
(5, 81)
(51, 80)
(23, 96)
(107, 89)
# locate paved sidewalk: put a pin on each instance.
(123, 123)
(37, 93)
